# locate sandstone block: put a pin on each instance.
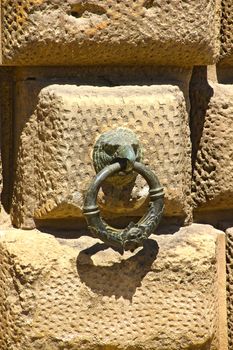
(56, 143)
(213, 167)
(168, 295)
(183, 33)
(229, 257)
(226, 52)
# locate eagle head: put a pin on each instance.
(118, 145)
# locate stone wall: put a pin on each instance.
(71, 70)
(56, 142)
(168, 295)
(110, 32)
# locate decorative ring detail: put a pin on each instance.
(134, 234)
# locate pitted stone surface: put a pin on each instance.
(213, 183)
(57, 142)
(226, 52)
(110, 31)
(229, 258)
(165, 296)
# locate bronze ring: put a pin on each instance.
(134, 234)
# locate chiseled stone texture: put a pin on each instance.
(168, 295)
(183, 33)
(213, 166)
(57, 141)
(226, 52)
(229, 258)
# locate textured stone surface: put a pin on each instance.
(56, 142)
(226, 52)
(229, 258)
(212, 112)
(86, 297)
(110, 31)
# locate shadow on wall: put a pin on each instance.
(120, 279)
(200, 93)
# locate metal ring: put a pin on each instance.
(134, 234)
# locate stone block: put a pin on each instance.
(229, 258)
(213, 167)
(226, 52)
(56, 143)
(168, 295)
(47, 32)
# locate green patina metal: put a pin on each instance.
(120, 145)
(116, 159)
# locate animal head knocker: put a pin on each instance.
(116, 156)
(118, 145)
